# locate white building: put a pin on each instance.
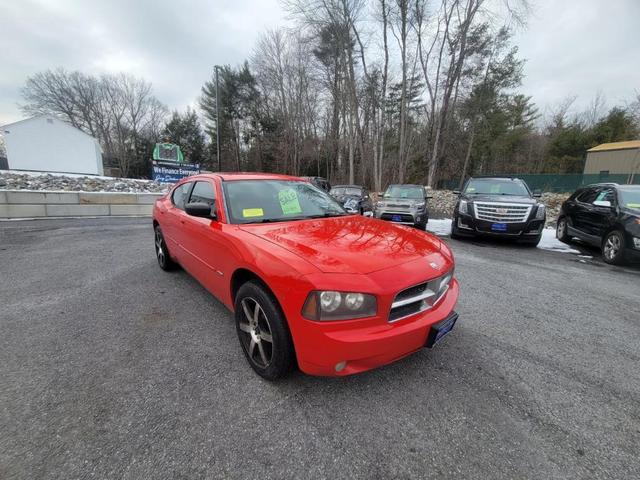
(47, 144)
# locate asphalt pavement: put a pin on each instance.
(112, 368)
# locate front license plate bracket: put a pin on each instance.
(440, 329)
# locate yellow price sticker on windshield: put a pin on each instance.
(633, 205)
(252, 212)
(289, 203)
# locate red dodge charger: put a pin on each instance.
(308, 283)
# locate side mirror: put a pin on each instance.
(457, 192)
(537, 193)
(427, 197)
(602, 203)
(200, 209)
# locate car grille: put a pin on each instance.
(398, 205)
(419, 297)
(502, 212)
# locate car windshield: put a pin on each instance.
(492, 186)
(259, 201)
(404, 191)
(630, 198)
(353, 191)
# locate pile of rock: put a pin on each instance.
(72, 183)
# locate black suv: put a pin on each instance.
(498, 207)
(606, 215)
(354, 198)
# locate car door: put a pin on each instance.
(601, 215)
(580, 216)
(210, 252)
(173, 220)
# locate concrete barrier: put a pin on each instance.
(37, 204)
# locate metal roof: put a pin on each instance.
(631, 144)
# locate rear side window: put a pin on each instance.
(203, 192)
(179, 195)
(607, 195)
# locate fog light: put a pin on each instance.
(340, 365)
(461, 224)
(636, 242)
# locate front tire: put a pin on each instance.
(263, 332)
(162, 252)
(562, 233)
(613, 248)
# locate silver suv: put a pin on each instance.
(405, 204)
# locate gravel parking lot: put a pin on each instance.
(111, 368)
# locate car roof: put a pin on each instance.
(405, 185)
(233, 176)
(346, 186)
(492, 177)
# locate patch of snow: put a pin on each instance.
(439, 226)
(33, 173)
(550, 242)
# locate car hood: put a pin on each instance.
(350, 244)
(501, 199)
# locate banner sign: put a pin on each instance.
(168, 164)
(168, 172)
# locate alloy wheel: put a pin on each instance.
(160, 247)
(256, 333)
(561, 229)
(612, 246)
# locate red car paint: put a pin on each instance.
(350, 253)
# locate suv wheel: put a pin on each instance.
(263, 332)
(613, 248)
(562, 231)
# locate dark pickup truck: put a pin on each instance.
(498, 207)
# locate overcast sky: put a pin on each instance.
(572, 47)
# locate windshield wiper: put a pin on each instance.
(328, 214)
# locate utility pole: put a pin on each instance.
(217, 121)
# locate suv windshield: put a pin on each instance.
(493, 186)
(630, 198)
(405, 191)
(258, 201)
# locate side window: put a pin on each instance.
(588, 196)
(607, 195)
(179, 195)
(203, 192)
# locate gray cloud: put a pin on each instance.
(572, 47)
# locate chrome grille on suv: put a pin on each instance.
(502, 212)
(419, 297)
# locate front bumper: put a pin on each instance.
(407, 217)
(467, 225)
(367, 343)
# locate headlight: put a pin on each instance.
(330, 305)
(462, 208)
(419, 205)
(540, 212)
(380, 205)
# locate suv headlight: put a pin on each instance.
(540, 212)
(462, 207)
(419, 205)
(330, 305)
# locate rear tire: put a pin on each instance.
(162, 252)
(613, 248)
(263, 332)
(562, 232)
